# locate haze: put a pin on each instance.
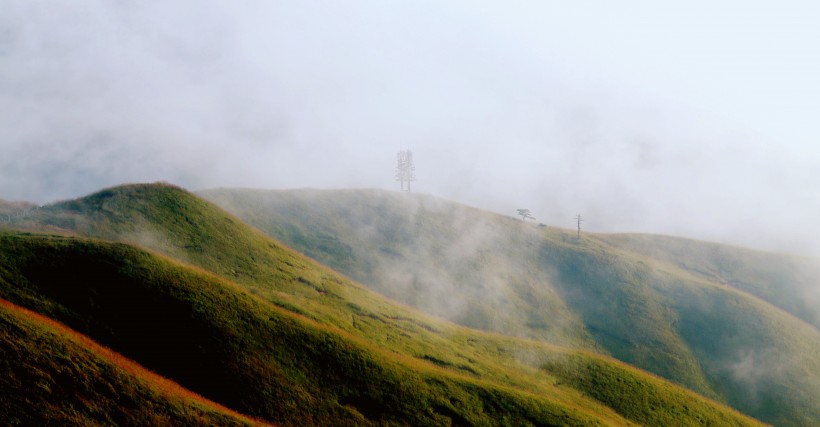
(698, 119)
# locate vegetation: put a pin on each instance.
(54, 376)
(232, 348)
(12, 210)
(785, 281)
(446, 259)
(610, 382)
(250, 324)
(713, 318)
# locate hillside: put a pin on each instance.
(743, 331)
(12, 210)
(786, 281)
(262, 330)
(55, 376)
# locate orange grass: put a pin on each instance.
(163, 385)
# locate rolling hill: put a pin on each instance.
(190, 292)
(734, 324)
(56, 376)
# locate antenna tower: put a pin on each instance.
(405, 169)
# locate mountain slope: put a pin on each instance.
(293, 331)
(421, 251)
(786, 281)
(229, 346)
(225, 344)
(54, 376)
(499, 274)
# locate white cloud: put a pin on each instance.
(695, 119)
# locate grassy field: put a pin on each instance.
(733, 324)
(246, 322)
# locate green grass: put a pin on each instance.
(439, 257)
(609, 383)
(53, 376)
(283, 338)
(788, 282)
(670, 306)
(230, 347)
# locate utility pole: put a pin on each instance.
(579, 220)
(400, 168)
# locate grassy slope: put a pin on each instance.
(759, 358)
(786, 281)
(54, 376)
(229, 346)
(433, 372)
(634, 301)
(420, 251)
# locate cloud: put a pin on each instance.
(631, 119)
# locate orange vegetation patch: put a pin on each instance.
(165, 386)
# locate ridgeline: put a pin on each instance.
(176, 285)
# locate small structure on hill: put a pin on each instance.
(405, 169)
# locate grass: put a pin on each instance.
(283, 338)
(230, 347)
(610, 382)
(670, 306)
(422, 252)
(785, 281)
(53, 375)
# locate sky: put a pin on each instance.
(697, 119)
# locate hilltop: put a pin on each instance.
(197, 296)
(734, 324)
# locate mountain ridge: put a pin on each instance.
(506, 372)
(638, 308)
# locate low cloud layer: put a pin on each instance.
(696, 120)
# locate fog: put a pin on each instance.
(696, 119)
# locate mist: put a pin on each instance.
(695, 120)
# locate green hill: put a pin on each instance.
(733, 324)
(447, 259)
(250, 324)
(54, 376)
(786, 281)
(229, 346)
